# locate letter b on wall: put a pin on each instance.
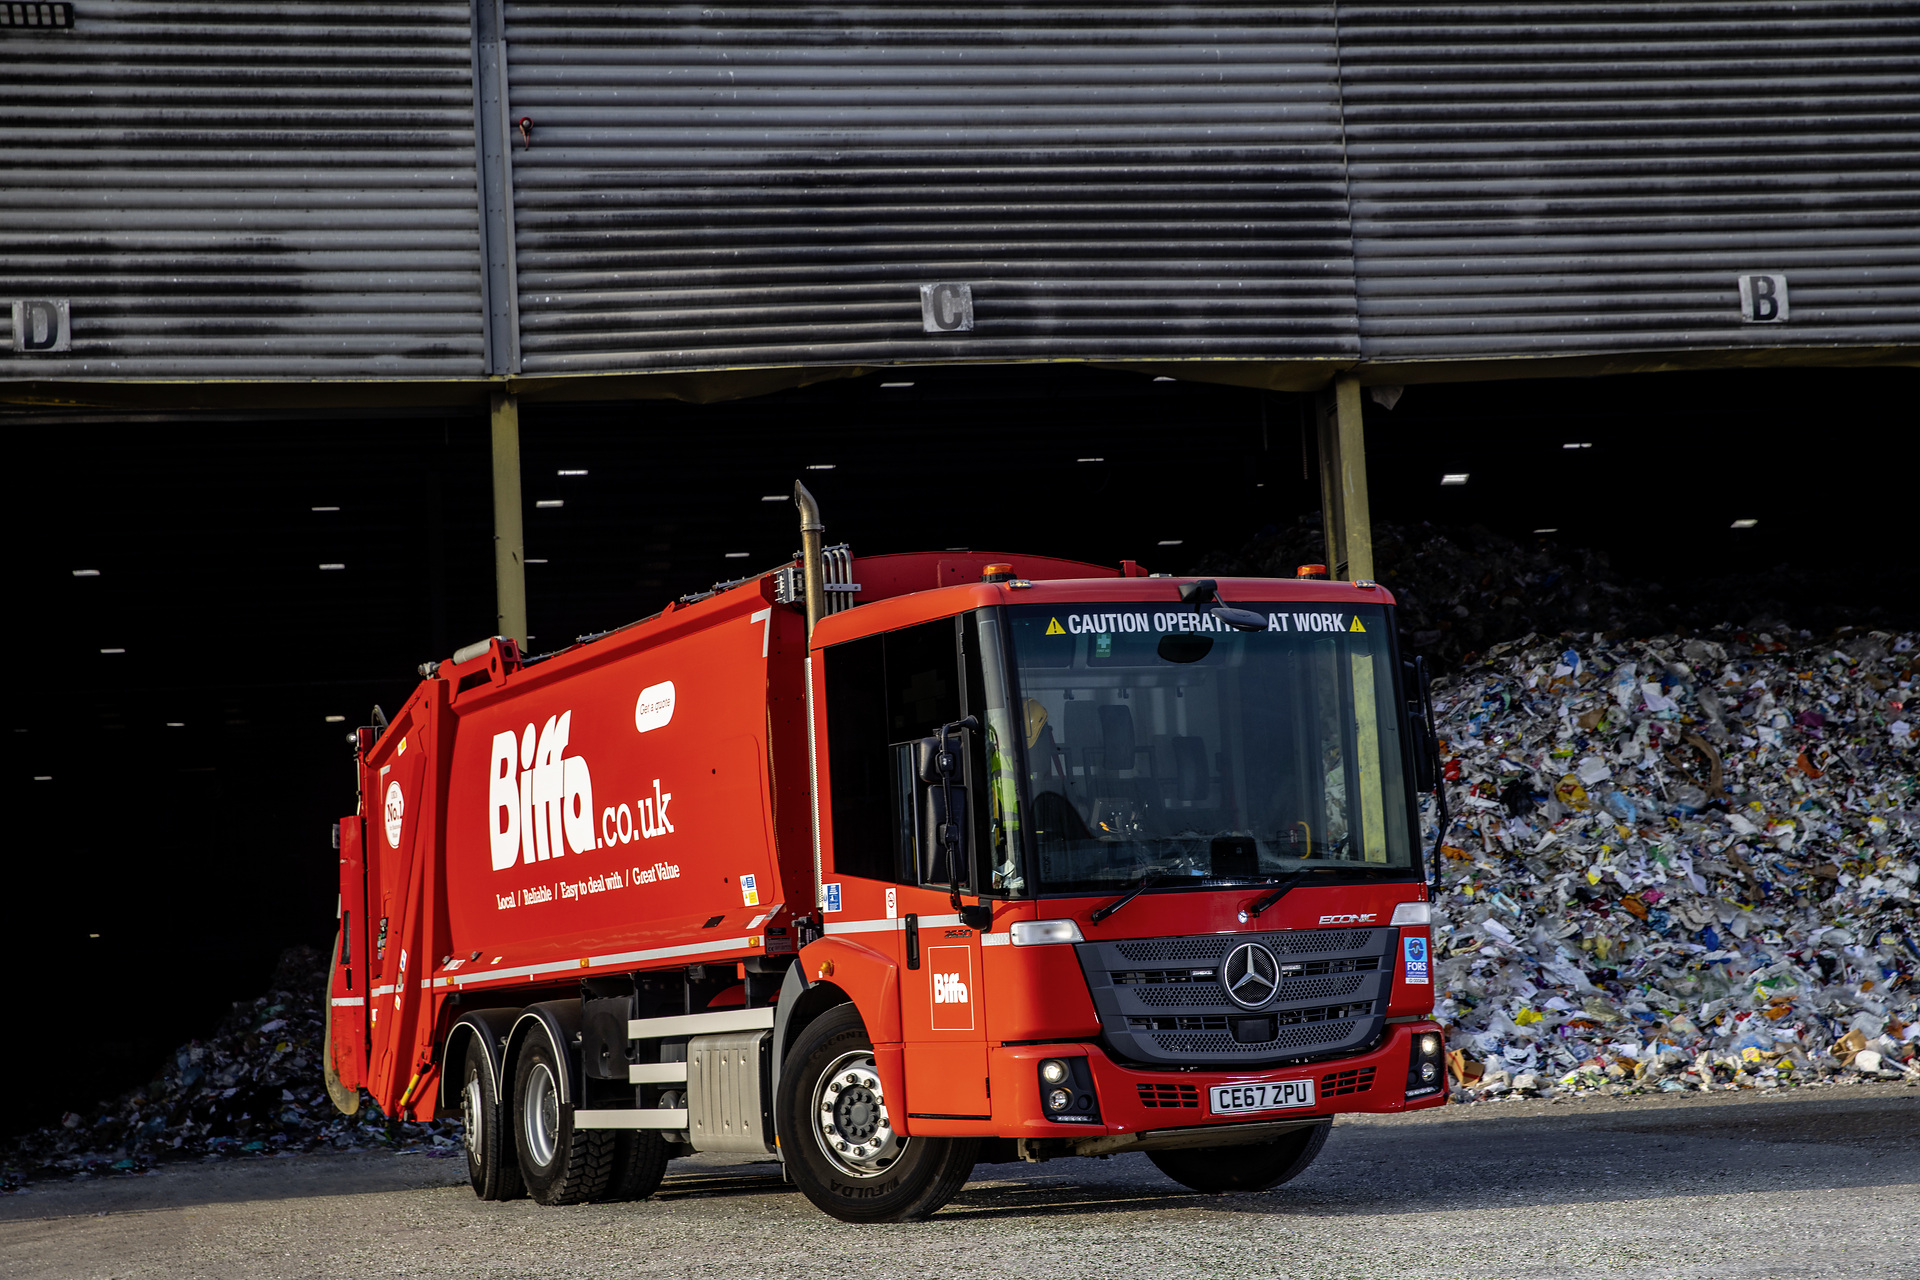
(1763, 299)
(41, 326)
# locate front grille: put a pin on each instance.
(1208, 948)
(1169, 1095)
(1158, 977)
(1210, 996)
(1308, 1035)
(1335, 1083)
(1161, 1001)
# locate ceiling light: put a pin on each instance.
(1546, 531)
(885, 385)
(1582, 444)
(551, 502)
(336, 719)
(530, 560)
(176, 724)
(738, 555)
(773, 497)
(1454, 477)
(113, 651)
(323, 508)
(333, 566)
(821, 466)
(1745, 524)
(1089, 459)
(1163, 379)
(1171, 542)
(93, 935)
(86, 573)
(577, 472)
(43, 777)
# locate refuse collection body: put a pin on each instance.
(1002, 857)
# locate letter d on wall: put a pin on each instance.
(41, 326)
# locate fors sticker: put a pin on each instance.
(1414, 950)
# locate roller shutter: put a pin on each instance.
(716, 186)
(1562, 178)
(244, 189)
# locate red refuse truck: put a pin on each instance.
(885, 866)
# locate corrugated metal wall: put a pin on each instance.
(772, 184)
(1555, 178)
(245, 189)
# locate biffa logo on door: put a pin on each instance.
(952, 969)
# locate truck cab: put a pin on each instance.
(1166, 896)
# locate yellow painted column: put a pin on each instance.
(509, 537)
(1343, 482)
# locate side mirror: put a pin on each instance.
(944, 847)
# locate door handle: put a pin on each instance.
(913, 940)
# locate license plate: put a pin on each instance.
(1272, 1095)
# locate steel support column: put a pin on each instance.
(1343, 482)
(509, 539)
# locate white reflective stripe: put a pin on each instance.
(526, 971)
(657, 1073)
(700, 1024)
(651, 1119)
(377, 992)
(345, 1002)
(882, 926)
(668, 953)
(862, 926)
(995, 939)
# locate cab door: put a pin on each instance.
(885, 695)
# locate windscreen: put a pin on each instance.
(1159, 742)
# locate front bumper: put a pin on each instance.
(1138, 1102)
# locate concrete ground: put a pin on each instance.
(1803, 1183)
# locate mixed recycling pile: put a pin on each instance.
(1679, 863)
(254, 1087)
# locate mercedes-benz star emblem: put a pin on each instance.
(1251, 975)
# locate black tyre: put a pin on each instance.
(1249, 1168)
(492, 1167)
(639, 1163)
(838, 1139)
(560, 1164)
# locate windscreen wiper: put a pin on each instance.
(1276, 893)
(1140, 886)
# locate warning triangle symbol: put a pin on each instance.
(1055, 629)
(1356, 624)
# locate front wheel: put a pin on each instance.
(1250, 1168)
(837, 1132)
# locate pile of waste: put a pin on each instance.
(252, 1088)
(1679, 862)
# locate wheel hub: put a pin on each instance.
(854, 1129)
(542, 1112)
(473, 1117)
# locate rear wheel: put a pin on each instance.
(1248, 1168)
(491, 1164)
(561, 1164)
(639, 1163)
(838, 1136)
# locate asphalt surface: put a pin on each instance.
(1802, 1183)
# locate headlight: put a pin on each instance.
(1430, 1045)
(1032, 933)
(1053, 1071)
(1059, 1100)
(1428, 1072)
(1413, 913)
